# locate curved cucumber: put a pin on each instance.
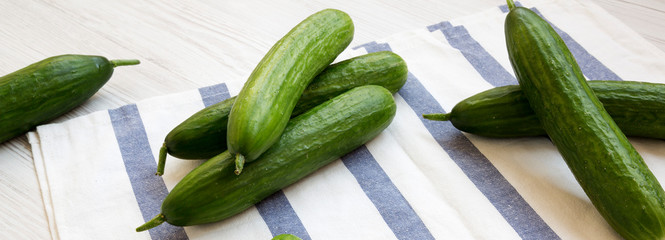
(264, 104)
(203, 135)
(605, 164)
(636, 107)
(212, 192)
(49, 88)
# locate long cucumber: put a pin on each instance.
(638, 108)
(264, 104)
(608, 168)
(49, 88)
(212, 192)
(203, 135)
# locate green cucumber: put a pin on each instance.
(384, 68)
(286, 236)
(49, 88)
(203, 135)
(264, 104)
(636, 107)
(212, 192)
(608, 168)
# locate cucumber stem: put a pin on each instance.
(240, 163)
(437, 116)
(154, 222)
(162, 160)
(124, 62)
(511, 4)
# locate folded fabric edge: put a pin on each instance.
(42, 179)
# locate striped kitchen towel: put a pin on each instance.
(418, 179)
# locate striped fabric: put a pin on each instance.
(418, 179)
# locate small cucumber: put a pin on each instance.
(212, 192)
(49, 88)
(608, 168)
(264, 104)
(636, 107)
(286, 236)
(203, 135)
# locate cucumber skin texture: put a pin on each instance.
(384, 68)
(212, 192)
(607, 167)
(638, 108)
(264, 104)
(203, 135)
(47, 89)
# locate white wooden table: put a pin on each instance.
(190, 44)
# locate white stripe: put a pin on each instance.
(331, 203)
(80, 177)
(433, 209)
(489, 33)
(449, 77)
(442, 69)
(474, 210)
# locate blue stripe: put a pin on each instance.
(372, 47)
(505, 198)
(591, 66)
(393, 207)
(149, 189)
(490, 69)
(280, 217)
(214, 94)
(504, 8)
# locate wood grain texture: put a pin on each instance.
(190, 44)
(646, 17)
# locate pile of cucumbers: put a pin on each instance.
(296, 113)
(583, 119)
(203, 135)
